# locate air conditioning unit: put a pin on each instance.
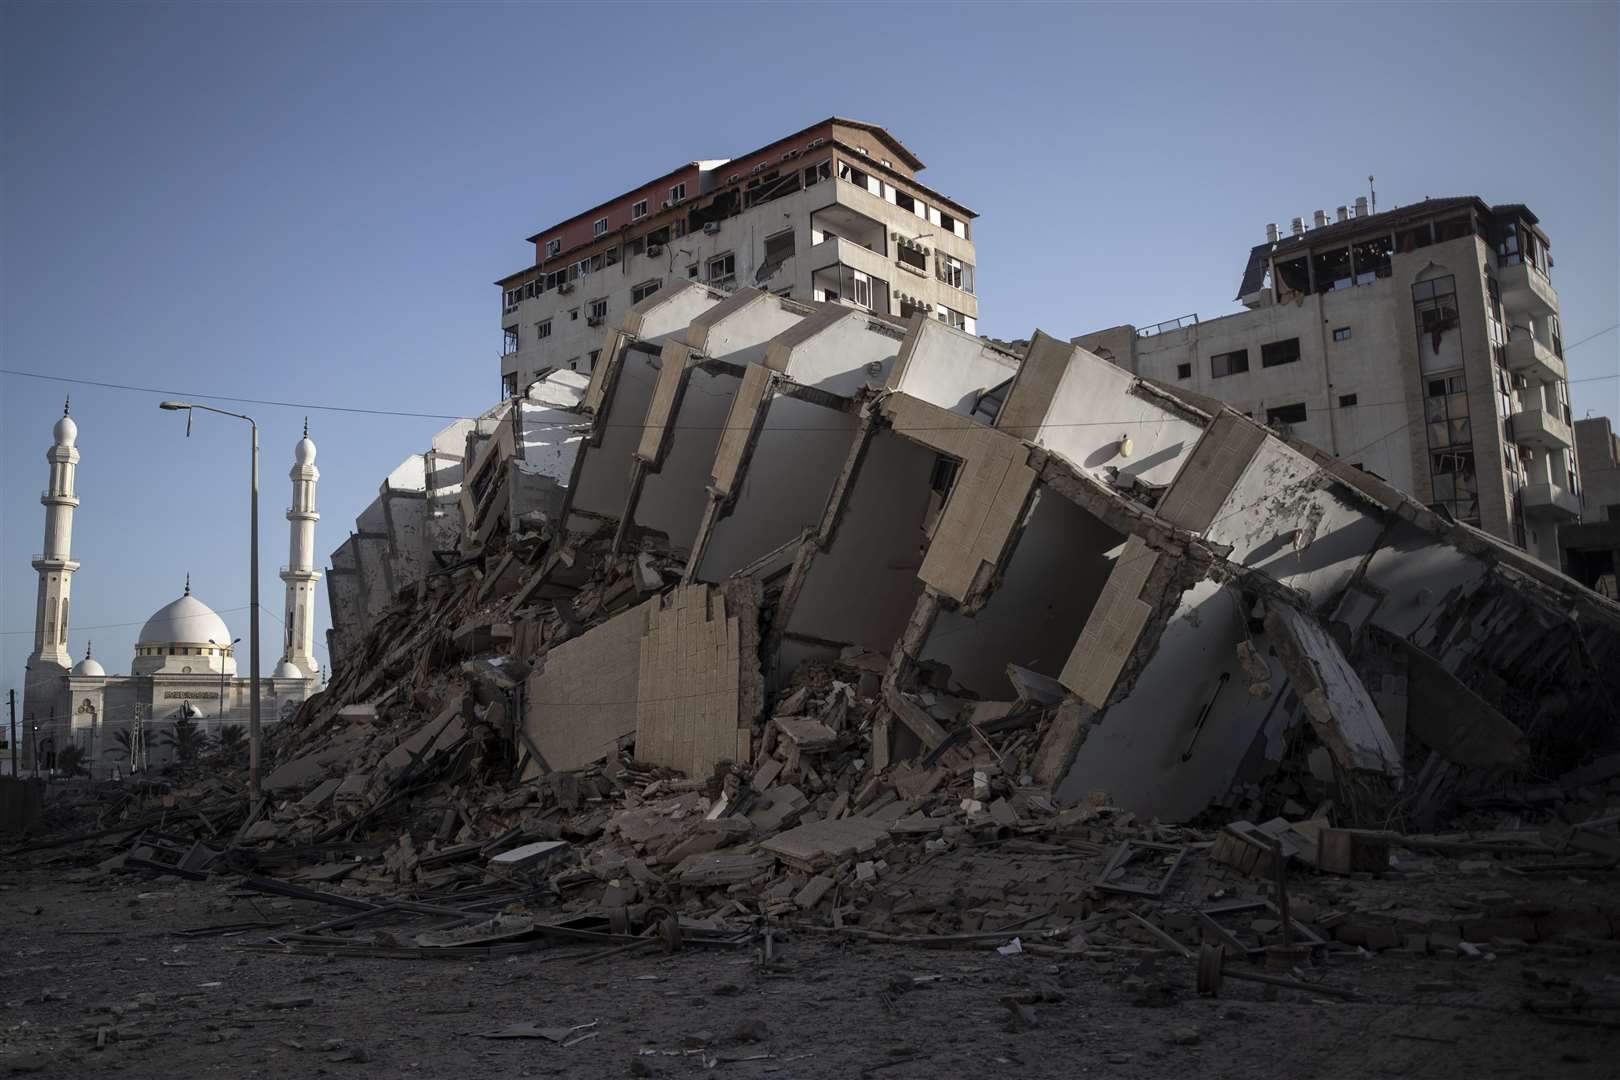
(711, 227)
(733, 178)
(566, 287)
(815, 143)
(655, 249)
(667, 204)
(594, 321)
(757, 169)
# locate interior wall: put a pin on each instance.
(1057, 570)
(1134, 752)
(783, 490)
(861, 590)
(672, 499)
(604, 477)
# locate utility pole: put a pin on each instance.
(11, 702)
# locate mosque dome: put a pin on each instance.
(66, 431)
(186, 621)
(89, 666)
(286, 670)
(304, 452)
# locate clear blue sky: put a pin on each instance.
(309, 203)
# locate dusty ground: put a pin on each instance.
(102, 955)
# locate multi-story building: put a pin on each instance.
(1421, 344)
(1591, 550)
(834, 212)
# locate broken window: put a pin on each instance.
(644, 290)
(1284, 415)
(599, 227)
(1341, 333)
(778, 250)
(912, 255)
(953, 272)
(691, 270)
(1435, 303)
(723, 270)
(1445, 408)
(1372, 259)
(553, 247)
(943, 475)
(1229, 363)
(1456, 486)
(677, 192)
(1418, 236)
(598, 311)
(1346, 400)
(1183, 371)
(821, 170)
(946, 221)
(509, 341)
(1331, 269)
(638, 210)
(542, 329)
(1293, 278)
(1278, 353)
(956, 320)
(1453, 229)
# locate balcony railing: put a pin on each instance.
(1179, 323)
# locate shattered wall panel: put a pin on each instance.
(1335, 701)
(1115, 624)
(690, 712)
(583, 700)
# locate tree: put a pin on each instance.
(70, 760)
(185, 739)
(122, 738)
(231, 743)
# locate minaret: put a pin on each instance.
(50, 660)
(300, 573)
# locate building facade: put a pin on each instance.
(184, 665)
(1421, 344)
(1591, 550)
(834, 212)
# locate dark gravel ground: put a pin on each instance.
(82, 957)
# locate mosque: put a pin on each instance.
(185, 658)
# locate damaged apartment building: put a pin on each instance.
(1421, 344)
(750, 484)
(834, 212)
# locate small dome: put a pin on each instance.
(66, 431)
(89, 666)
(286, 670)
(188, 621)
(304, 452)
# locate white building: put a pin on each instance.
(185, 657)
(1421, 344)
(834, 212)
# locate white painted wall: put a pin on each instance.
(604, 478)
(950, 369)
(673, 498)
(836, 359)
(1092, 408)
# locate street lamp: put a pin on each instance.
(253, 587)
(224, 649)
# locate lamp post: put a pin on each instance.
(223, 651)
(253, 589)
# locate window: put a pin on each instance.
(542, 330)
(951, 224)
(1372, 259)
(1346, 400)
(553, 247)
(1183, 371)
(821, 170)
(510, 299)
(953, 318)
(644, 290)
(1341, 333)
(1229, 363)
(691, 270)
(1435, 303)
(509, 341)
(508, 390)
(861, 293)
(573, 363)
(1332, 269)
(778, 249)
(573, 314)
(678, 192)
(953, 272)
(593, 355)
(906, 202)
(1278, 353)
(529, 289)
(599, 227)
(638, 211)
(1445, 408)
(598, 312)
(723, 270)
(680, 228)
(1286, 414)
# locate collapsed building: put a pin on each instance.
(1170, 602)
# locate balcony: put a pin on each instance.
(1550, 502)
(1529, 357)
(1525, 288)
(1543, 429)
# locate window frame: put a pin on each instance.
(599, 227)
(638, 209)
(1215, 364)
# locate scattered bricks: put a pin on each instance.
(813, 892)
(1486, 929)
(865, 872)
(1352, 851)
